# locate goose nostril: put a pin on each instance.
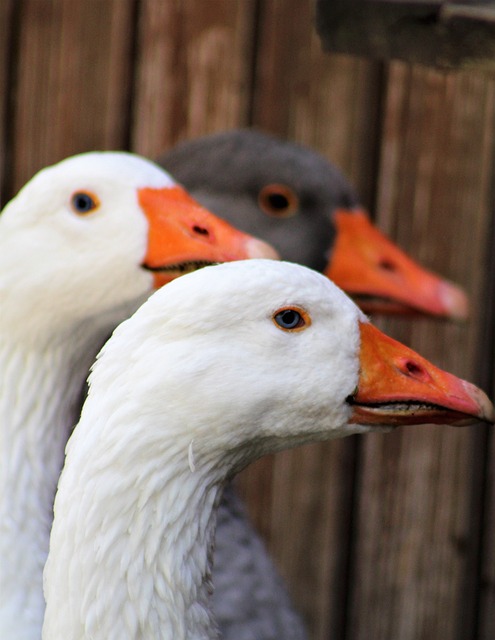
(201, 230)
(413, 368)
(387, 265)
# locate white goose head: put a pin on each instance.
(214, 370)
(81, 246)
(101, 230)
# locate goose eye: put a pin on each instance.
(278, 200)
(83, 202)
(291, 319)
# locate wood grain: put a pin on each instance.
(8, 50)
(438, 33)
(418, 514)
(73, 82)
(193, 71)
(486, 585)
(330, 103)
(379, 537)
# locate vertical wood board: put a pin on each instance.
(417, 522)
(301, 499)
(74, 79)
(7, 62)
(193, 73)
(418, 145)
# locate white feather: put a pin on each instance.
(202, 360)
(65, 281)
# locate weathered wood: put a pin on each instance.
(193, 72)
(310, 526)
(328, 102)
(8, 50)
(73, 81)
(108, 73)
(432, 32)
(418, 515)
(486, 585)
(331, 104)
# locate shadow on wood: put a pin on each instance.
(431, 32)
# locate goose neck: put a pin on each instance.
(148, 573)
(40, 390)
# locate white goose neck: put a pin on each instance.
(148, 573)
(134, 512)
(41, 385)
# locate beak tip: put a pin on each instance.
(454, 301)
(256, 248)
(486, 410)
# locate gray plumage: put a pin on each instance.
(251, 601)
(226, 172)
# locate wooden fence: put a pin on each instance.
(381, 537)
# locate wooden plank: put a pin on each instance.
(7, 62)
(331, 104)
(486, 584)
(73, 80)
(418, 514)
(311, 509)
(431, 32)
(193, 70)
(73, 86)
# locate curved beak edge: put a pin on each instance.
(397, 387)
(381, 278)
(183, 235)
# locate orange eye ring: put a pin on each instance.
(84, 202)
(291, 319)
(278, 200)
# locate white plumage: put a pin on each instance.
(73, 245)
(202, 372)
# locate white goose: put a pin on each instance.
(81, 246)
(213, 371)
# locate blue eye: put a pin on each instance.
(291, 319)
(83, 202)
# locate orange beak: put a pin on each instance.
(398, 387)
(184, 236)
(383, 279)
